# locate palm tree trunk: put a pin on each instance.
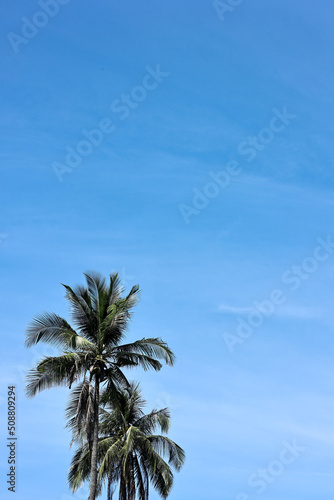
(109, 492)
(122, 488)
(93, 466)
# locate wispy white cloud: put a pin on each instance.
(301, 312)
(226, 308)
(289, 311)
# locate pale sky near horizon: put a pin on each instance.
(208, 180)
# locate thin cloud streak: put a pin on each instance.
(283, 311)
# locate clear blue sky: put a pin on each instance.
(200, 89)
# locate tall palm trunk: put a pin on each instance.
(122, 488)
(93, 468)
(132, 486)
(109, 490)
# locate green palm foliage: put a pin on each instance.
(92, 352)
(130, 454)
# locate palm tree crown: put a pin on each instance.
(130, 455)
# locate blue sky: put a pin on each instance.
(234, 408)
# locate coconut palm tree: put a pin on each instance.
(130, 455)
(93, 352)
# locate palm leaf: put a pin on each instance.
(54, 330)
(55, 371)
(153, 347)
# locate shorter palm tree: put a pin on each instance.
(130, 455)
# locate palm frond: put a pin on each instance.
(81, 311)
(116, 289)
(54, 330)
(55, 371)
(79, 412)
(153, 347)
(160, 474)
(118, 315)
(131, 360)
(115, 377)
(166, 447)
(141, 479)
(148, 423)
(96, 288)
(112, 456)
(79, 470)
